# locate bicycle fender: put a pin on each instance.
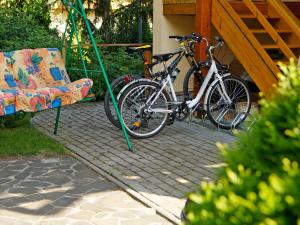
(210, 87)
(130, 83)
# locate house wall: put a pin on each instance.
(163, 27)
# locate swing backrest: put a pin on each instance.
(32, 69)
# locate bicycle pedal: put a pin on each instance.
(171, 119)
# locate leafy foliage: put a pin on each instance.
(18, 32)
(116, 63)
(122, 25)
(37, 10)
(261, 183)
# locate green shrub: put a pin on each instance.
(18, 32)
(37, 10)
(260, 184)
(116, 62)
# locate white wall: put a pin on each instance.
(163, 27)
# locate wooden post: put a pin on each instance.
(203, 27)
(148, 60)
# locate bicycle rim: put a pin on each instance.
(116, 85)
(229, 115)
(138, 121)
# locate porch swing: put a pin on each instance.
(32, 80)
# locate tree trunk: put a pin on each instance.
(103, 8)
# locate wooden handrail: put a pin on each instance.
(269, 28)
(116, 45)
(250, 36)
(239, 39)
(286, 15)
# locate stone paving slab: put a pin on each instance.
(63, 191)
(163, 169)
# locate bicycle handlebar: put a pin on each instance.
(189, 37)
(194, 37)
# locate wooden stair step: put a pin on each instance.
(250, 16)
(263, 31)
(274, 46)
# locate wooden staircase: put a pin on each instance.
(260, 34)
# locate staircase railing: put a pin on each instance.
(291, 20)
(269, 29)
(244, 44)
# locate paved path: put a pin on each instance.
(163, 169)
(62, 191)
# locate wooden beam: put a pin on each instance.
(203, 25)
(270, 29)
(225, 21)
(189, 7)
(179, 9)
(148, 60)
(285, 13)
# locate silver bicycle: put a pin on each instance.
(146, 106)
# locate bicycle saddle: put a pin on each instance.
(163, 57)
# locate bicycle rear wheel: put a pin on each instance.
(116, 86)
(224, 114)
(138, 120)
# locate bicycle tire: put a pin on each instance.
(193, 74)
(108, 106)
(130, 90)
(233, 108)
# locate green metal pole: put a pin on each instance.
(79, 46)
(57, 120)
(105, 75)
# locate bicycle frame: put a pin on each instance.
(180, 52)
(213, 72)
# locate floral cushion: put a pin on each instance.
(6, 72)
(51, 66)
(8, 101)
(32, 80)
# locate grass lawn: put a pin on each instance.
(25, 140)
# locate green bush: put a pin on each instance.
(122, 25)
(38, 10)
(17, 32)
(260, 184)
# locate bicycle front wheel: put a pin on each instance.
(139, 120)
(224, 114)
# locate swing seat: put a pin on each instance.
(33, 80)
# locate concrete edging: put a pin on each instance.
(127, 188)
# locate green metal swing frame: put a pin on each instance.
(76, 10)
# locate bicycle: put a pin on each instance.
(118, 84)
(147, 106)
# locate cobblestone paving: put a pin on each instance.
(62, 191)
(163, 168)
